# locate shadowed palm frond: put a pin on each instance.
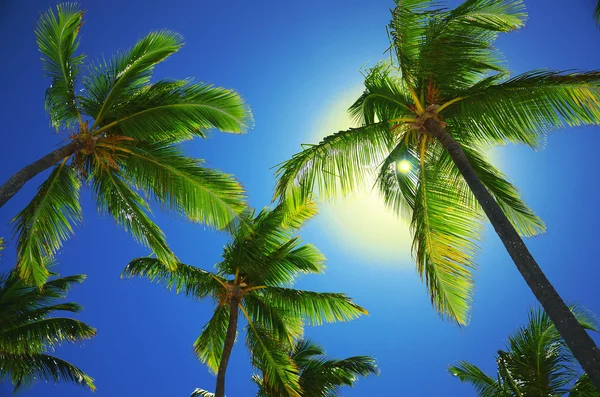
(209, 345)
(28, 332)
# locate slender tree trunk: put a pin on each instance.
(581, 344)
(15, 182)
(229, 340)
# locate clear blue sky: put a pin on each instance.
(295, 63)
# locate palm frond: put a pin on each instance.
(284, 326)
(524, 108)
(315, 307)
(112, 83)
(339, 164)
(57, 41)
(129, 210)
(209, 345)
(185, 279)
(175, 111)
(201, 393)
(24, 370)
(34, 336)
(181, 184)
(485, 385)
(584, 387)
(279, 371)
(46, 222)
(446, 228)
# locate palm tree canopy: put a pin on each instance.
(258, 267)
(125, 130)
(536, 362)
(28, 332)
(444, 65)
(321, 376)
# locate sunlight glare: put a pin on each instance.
(404, 166)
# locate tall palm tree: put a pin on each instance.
(28, 332)
(536, 362)
(123, 133)
(258, 267)
(427, 117)
(321, 376)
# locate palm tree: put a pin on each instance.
(321, 376)
(123, 134)
(427, 118)
(258, 267)
(28, 333)
(536, 362)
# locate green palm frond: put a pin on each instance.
(446, 228)
(177, 110)
(46, 222)
(535, 362)
(339, 164)
(584, 387)
(321, 376)
(28, 332)
(114, 82)
(25, 370)
(283, 324)
(485, 385)
(57, 41)
(34, 336)
(209, 345)
(185, 279)
(316, 307)
(524, 108)
(279, 371)
(116, 198)
(202, 393)
(182, 185)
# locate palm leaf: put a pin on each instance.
(185, 279)
(46, 222)
(182, 185)
(485, 385)
(209, 345)
(315, 307)
(129, 210)
(24, 370)
(114, 82)
(57, 41)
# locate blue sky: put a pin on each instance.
(297, 64)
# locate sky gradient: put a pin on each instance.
(298, 66)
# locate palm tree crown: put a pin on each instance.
(123, 132)
(536, 362)
(258, 267)
(28, 333)
(321, 376)
(445, 68)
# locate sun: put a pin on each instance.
(404, 166)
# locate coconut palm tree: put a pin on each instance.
(28, 332)
(122, 134)
(536, 362)
(258, 267)
(321, 376)
(426, 119)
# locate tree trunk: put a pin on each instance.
(15, 182)
(581, 344)
(229, 340)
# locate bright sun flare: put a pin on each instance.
(404, 166)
